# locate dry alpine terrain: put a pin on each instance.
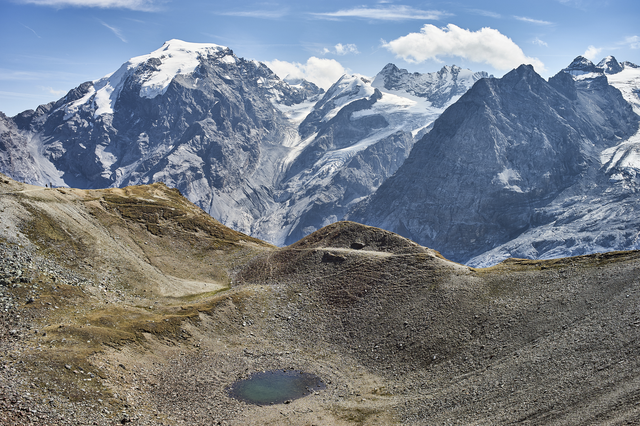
(132, 306)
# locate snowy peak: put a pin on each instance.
(582, 68)
(173, 58)
(609, 65)
(153, 73)
(348, 88)
(149, 76)
(440, 87)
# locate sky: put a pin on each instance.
(51, 46)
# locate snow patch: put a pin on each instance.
(581, 75)
(505, 177)
(625, 155)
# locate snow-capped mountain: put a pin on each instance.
(192, 115)
(479, 168)
(522, 167)
(353, 139)
(272, 158)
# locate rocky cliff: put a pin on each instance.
(505, 161)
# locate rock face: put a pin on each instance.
(599, 213)
(515, 166)
(353, 139)
(275, 159)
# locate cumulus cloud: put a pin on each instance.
(388, 13)
(144, 5)
(592, 52)
(486, 45)
(322, 72)
(342, 49)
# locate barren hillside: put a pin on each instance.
(133, 306)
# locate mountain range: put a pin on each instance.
(476, 167)
(523, 167)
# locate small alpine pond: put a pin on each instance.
(275, 387)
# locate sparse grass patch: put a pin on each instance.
(202, 296)
(588, 260)
(360, 415)
(67, 374)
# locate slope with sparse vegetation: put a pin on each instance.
(133, 305)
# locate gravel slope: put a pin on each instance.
(91, 334)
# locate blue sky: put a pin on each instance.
(52, 46)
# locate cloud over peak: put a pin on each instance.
(485, 46)
(322, 72)
(592, 52)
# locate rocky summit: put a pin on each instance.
(523, 167)
(133, 306)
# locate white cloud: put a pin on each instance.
(144, 5)
(592, 52)
(486, 45)
(540, 42)
(31, 29)
(487, 13)
(265, 14)
(342, 49)
(115, 30)
(322, 72)
(53, 91)
(633, 42)
(532, 21)
(390, 13)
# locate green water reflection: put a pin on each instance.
(275, 387)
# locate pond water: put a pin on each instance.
(275, 387)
